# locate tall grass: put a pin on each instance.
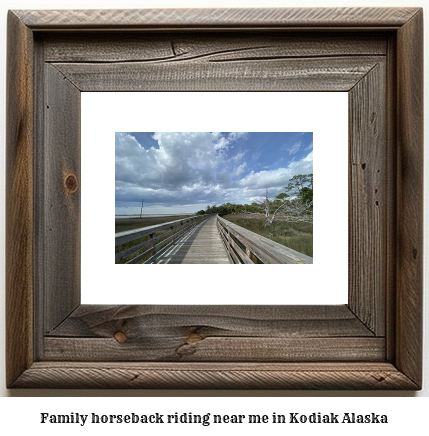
(298, 236)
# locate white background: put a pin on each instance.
(409, 415)
(324, 114)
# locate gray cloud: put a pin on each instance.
(192, 168)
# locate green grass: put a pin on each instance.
(298, 236)
(125, 224)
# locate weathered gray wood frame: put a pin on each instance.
(374, 342)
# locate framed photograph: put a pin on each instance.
(57, 60)
(241, 176)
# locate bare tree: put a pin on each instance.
(294, 205)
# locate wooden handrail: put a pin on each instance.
(242, 245)
(246, 247)
(155, 243)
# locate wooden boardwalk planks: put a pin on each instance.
(201, 245)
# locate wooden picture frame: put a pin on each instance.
(373, 342)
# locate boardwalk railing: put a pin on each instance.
(244, 246)
(145, 242)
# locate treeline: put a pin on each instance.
(294, 204)
(226, 208)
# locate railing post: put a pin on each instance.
(251, 256)
(152, 236)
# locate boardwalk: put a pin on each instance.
(201, 245)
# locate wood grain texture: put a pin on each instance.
(177, 47)
(391, 194)
(137, 321)
(215, 376)
(61, 168)
(174, 348)
(301, 74)
(213, 333)
(182, 345)
(40, 260)
(410, 199)
(368, 203)
(19, 200)
(205, 18)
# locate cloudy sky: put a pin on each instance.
(184, 172)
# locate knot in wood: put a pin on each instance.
(193, 338)
(71, 183)
(120, 337)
